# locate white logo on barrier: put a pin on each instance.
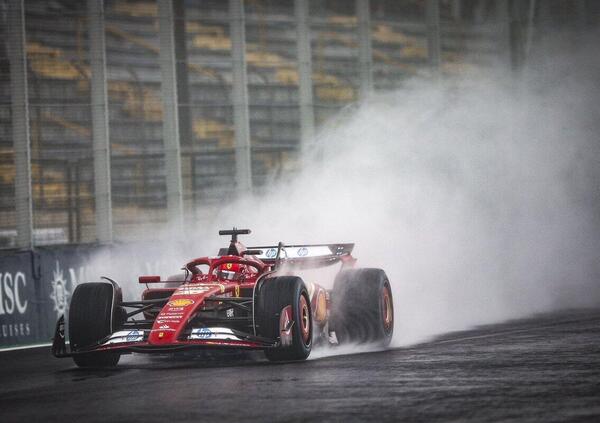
(59, 293)
(11, 294)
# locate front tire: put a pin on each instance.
(362, 307)
(275, 294)
(90, 320)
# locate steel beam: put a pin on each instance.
(364, 48)
(170, 114)
(530, 29)
(433, 33)
(100, 127)
(20, 122)
(456, 6)
(581, 12)
(517, 52)
(305, 86)
(243, 158)
(183, 80)
(503, 24)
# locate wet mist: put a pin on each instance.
(479, 195)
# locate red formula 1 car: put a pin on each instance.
(245, 298)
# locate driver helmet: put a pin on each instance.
(231, 271)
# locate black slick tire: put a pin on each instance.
(362, 307)
(273, 296)
(90, 320)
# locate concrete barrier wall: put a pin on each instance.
(35, 287)
(20, 301)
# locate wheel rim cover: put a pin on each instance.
(388, 312)
(304, 320)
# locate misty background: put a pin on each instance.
(468, 170)
(478, 195)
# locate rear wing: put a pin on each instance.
(309, 255)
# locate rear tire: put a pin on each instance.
(362, 307)
(274, 295)
(90, 320)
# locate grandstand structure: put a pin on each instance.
(194, 101)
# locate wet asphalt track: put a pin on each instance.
(541, 369)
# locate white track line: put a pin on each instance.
(24, 347)
(487, 335)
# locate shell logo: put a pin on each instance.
(182, 302)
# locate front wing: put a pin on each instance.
(137, 341)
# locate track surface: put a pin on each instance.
(541, 369)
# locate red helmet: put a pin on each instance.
(231, 271)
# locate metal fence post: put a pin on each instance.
(305, 88)
(243, 158)
(503, 30)
(581, 13)
(433, 33)
(20, 122)
(456, 8)
(170, 113)
(183, 80)
(100, 128)
(364, 48)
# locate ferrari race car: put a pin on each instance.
(245, 298)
